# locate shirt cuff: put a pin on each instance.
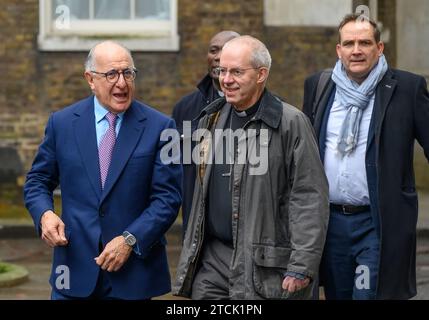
(296, 275)
(136, 249)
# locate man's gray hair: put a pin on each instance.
(90, 59)
(260, 55)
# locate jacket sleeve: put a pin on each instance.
(165, 200)
(421, 116)
(309, 199)
(43, 177)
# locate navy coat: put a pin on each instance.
(400, 116)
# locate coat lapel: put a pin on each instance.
(321, 107)
(86, 139)
(382, 99)
(131, 130)
(226, 109)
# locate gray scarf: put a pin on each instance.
(355, 98)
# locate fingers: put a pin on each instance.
(53, 229)
(48, 241)
(292, 284)
(62, 234)
(116, 263)
(287, 283)
(114, 255)
(306, 282)
(52, 234)
(110, 261)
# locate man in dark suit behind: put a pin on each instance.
(367, 117)
(118, 195)
(190, 106)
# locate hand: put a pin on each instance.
(114, 255)
(292, 284)
(53, 229)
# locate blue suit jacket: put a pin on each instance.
(141, 195)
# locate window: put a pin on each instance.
(76, 25)
(326, 13)
(305, 12)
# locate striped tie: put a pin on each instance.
(106, 147)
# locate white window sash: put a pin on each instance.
(137, 34)
(104, 27)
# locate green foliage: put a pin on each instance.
(4, 268)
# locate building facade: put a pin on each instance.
(43, 45)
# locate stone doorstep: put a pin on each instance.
(17, 231)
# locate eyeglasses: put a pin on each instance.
(236, 72)
(112, 76)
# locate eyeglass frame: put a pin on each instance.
(118, 74)
(231, 71)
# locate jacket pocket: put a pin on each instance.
(269, 268)
(409, 194)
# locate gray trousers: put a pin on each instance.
(212, 279)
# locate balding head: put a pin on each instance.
(106, 49)
(243, 72)
(259, 54)
(115, 93)
(224, 36)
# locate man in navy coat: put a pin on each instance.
(189, 108)
(118, 196)
(367, 117)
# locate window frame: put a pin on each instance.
(139, 35)
(274, 15)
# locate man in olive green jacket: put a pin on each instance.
(275, 204)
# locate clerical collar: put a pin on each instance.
(249, 111)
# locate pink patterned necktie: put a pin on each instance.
(106, 147)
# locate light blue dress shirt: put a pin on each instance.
(101, 123)
(346, 175)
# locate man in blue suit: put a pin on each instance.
(118, 196)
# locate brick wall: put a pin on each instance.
(298, 53)
(35, 83)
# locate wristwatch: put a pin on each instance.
(129, 238)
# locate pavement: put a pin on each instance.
(32, 253)
(19, 245)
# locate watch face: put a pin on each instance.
(131, 240)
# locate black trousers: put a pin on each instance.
(212, 279)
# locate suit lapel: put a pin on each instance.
(86, 139)
(131, 130)
(382, 99)
(321, 107)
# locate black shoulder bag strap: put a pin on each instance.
(321, 86)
